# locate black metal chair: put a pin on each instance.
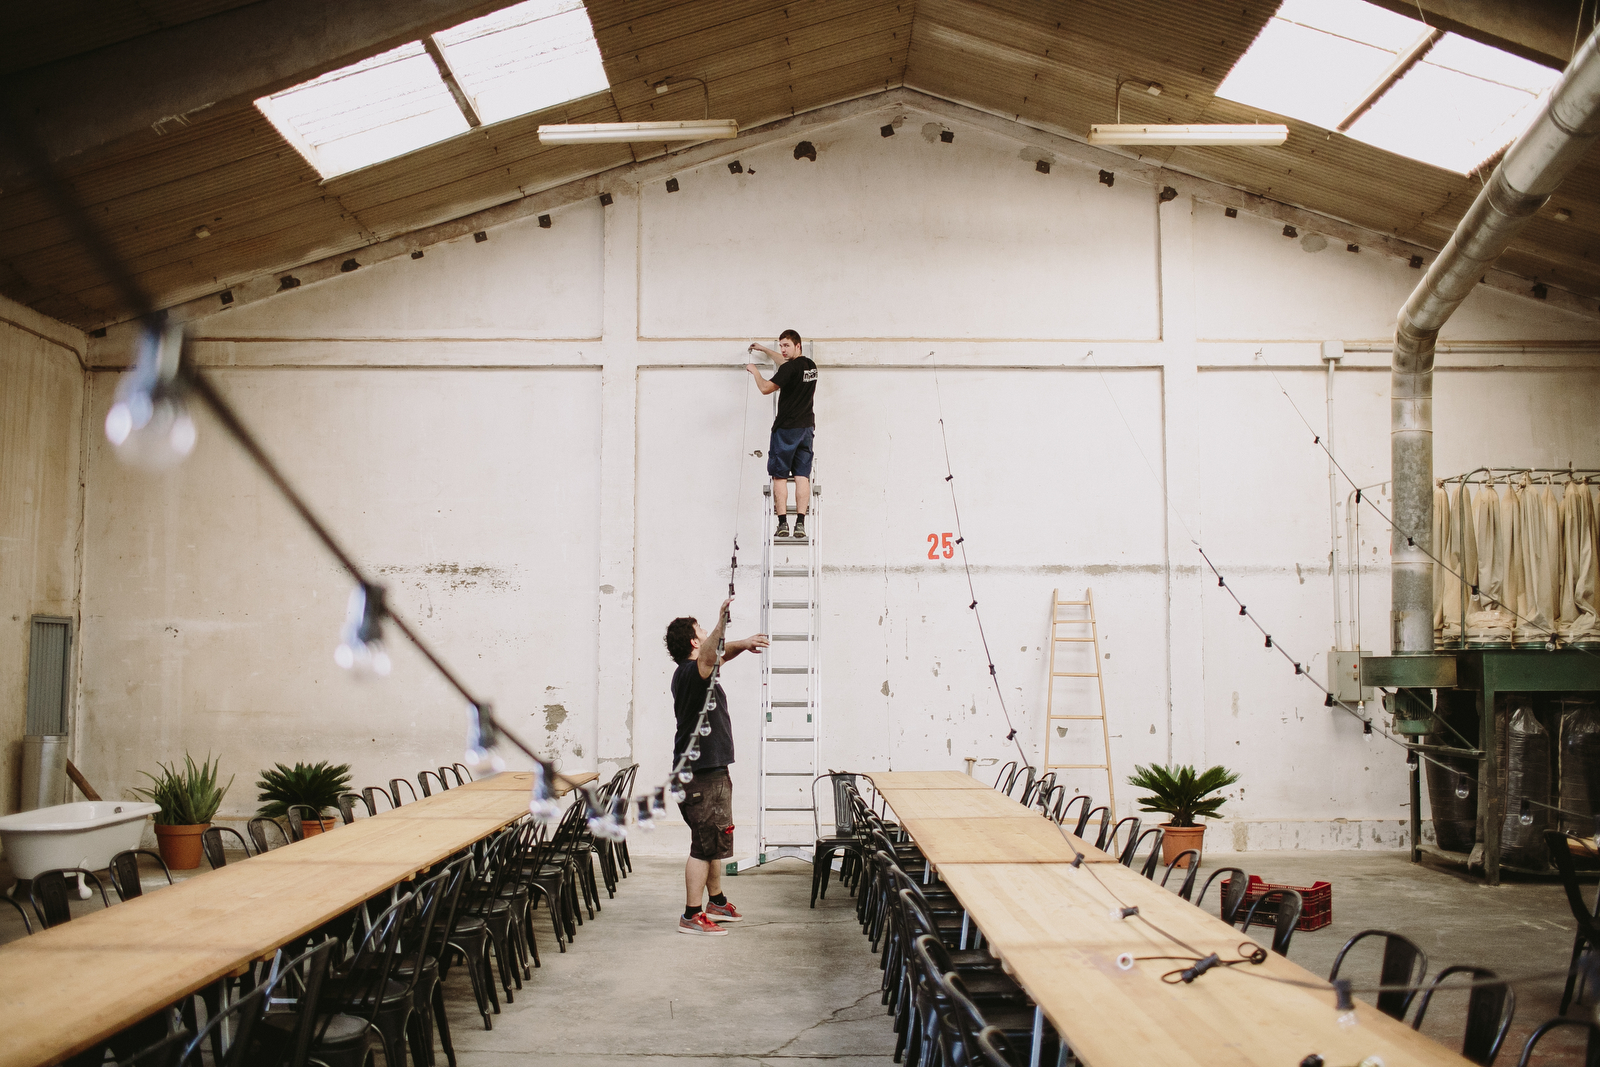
(394, 789)
(292, 1019)
(1064, 807)
(48, 894)
(1186, 890)
(1287, 905)
(27, 927)
(462, 769)
(230, 1032)
(1153, 860)
(125, 872)
(438, 780)
(300, 814)
(371, 794)
(1109, 844)
(1587, 919)
(1050, 799)
(212, 843)
(1403, 967)
(1591, 1052)
(1490, 1006)
(996, 1049)
(347, 807)
(1007, 775)
(267, 834)
(1233, 892)
(366, 990)
(844, 842)
(454, 771)
(163, 1053)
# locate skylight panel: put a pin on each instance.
(1389, 81)
(1462, 103)
(382, 107)
(524, 58)
(1315, 60)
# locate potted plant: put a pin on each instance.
(316, 785)
(1183, 794)
(188, 800)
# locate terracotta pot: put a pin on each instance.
(311, 827)
(180, 845)
(1179, 839)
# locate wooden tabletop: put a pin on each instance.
(883, 781)
(522, 781)
(64, 989)
(1051, 926)
(954, 804)
(1020, 839)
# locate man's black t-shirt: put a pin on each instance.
(688, 697)
(797, 382)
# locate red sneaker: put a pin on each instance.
(723, 913)
(700, 924)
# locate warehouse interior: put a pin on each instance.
(508, 376)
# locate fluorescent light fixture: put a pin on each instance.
(1212, 134)
(622, 132)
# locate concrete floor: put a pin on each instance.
(792, 983)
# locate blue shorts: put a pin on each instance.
(789, 454)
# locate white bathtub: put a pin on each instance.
(86, 834)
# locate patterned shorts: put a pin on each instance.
(708, 809)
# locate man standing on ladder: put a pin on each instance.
(707, 805)
(789, 452)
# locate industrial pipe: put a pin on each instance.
(1533, 167)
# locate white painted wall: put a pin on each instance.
(543, 441)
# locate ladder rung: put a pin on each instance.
(1096, 718)
(790, 739)
(788, 809)
(791, 704)
(791, 670)
(1072, 603)
(791, 637)
(1079, 766)
(1074, 674)
(1084, 640)
(791, 572)
(789, 774)
(796, 604)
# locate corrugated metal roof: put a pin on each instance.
(1053, 66)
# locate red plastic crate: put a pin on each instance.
(1316, 908)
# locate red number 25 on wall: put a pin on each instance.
(939, 545)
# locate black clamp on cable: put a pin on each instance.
(1127, 912)
(1200, 967)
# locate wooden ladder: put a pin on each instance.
(1057, 624)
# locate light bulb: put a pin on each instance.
(1525, 815)
(1125, 961)
(149, 423)
(542, 803)
(361, 641)
(646, 817)
(685, 776)
(677, 794)
(1344, 1003)
(658, 802)
(482, 736)
(705, 729)
(693, 752)
(1462, 792)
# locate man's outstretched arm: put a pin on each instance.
(754, 643)
(707, 659)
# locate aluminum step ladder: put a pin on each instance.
(791, 691)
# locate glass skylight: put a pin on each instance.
(519, 59)
(1452, 102)
(525, 58)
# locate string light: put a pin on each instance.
(149, 423)
(361, 641)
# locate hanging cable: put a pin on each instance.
(966, 566)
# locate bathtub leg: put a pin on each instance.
(83, 888)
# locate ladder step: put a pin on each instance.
(1084, 640)
(807, 739)
(789, 774)
(1073, 603)
(1078, 766)
(1096, 718)
(791, 670)
(791, 637)
(791, 703)
(1074, 674)
(799, 605)
(791, 572)
(788, 809)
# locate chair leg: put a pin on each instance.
(444, 1024)
(1572, 973)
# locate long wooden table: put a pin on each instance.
(1051, 925)
(67, 988)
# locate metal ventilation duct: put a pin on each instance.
(1532, 168)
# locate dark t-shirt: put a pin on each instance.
(688, 697)
(797, 384)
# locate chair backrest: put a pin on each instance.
(297, 985)
(1007, 775)
(1286, 916)
(299, 815)
(454, 772)
(1404, 965)
(394, 789)
(371, 794)
(367, 977)
(1153, 860)
(266, 833)
(162, 1053)
(1556, 845)
(1037, 788)
(1186, 890)
(215, 847)
(1050, 799)
(348, 807)
(462, 769)
(125, 872)
(844, 817)
(48, 894)
(1591, 1055)
(27, 927)
(1023, 775)
(995, 1049)
(1064, 808)
(1105, 825)
(423, 778)
(1233, 891)
(1124, 856)
(232, 1029)
(1490, 1006)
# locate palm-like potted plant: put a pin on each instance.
(1185, 795)
(188, 800)
(316, 785)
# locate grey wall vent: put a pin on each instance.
(49, 660)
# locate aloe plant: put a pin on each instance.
(1180, 792)
(188, 797)
(316, 785)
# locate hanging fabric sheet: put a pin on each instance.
(1454, 542)
(1580, 565)
(1492, 529)
(1532, 566)
(1442, 579)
